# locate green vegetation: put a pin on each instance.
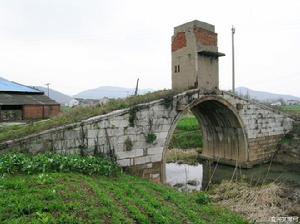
(73, 197)
(76, 198)
(190, 156)
(291, 109)
(19, 163)
(150, 138)
(80, 113)
(187, 134)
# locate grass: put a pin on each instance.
(77, 198)
(81, 113)
(187, 134)
(293, 110)
(190, 156)
(256, 202)
(82, 197)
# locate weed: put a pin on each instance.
(202, 198)
(132, 116)
(150, 138)
(128, 144)
(168, 100)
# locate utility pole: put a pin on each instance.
(233, 68)
(136, 87)
(48, 89)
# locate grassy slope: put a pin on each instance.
(187, 134)
(77, 198)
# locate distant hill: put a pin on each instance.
(265, 96)
(56, 95)
(110, 92)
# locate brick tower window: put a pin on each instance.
(177, 68)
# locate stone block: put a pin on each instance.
(156, 157)
(142, 160)
(130, 154)
(123, 162)
(155, 150)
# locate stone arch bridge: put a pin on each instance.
(235, 131)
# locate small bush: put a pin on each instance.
(202, 198)
(150, 138)
(44, 163)
(168, 99)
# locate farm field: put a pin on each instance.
(102, 197)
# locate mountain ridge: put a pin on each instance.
(110, 92)
(265, 96)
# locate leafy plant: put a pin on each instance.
(202, 198)
(150, 138)
(50, 162)
(85, 199)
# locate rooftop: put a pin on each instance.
(8, 86)
(23, 99)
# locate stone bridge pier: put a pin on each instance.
(235, 131)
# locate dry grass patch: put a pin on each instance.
(257, 203)
(189, 156)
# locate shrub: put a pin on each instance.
(168, 99)
(44, 163)
(150, 138)
(202, 198)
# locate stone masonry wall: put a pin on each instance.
(137, 137)
(112, 134)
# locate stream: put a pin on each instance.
(186, 177)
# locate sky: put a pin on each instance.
(82, 44)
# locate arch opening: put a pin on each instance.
(223, 135)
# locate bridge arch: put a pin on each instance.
(224, 135)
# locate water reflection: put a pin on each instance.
(196, 177)
(184, 177)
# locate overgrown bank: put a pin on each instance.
(73, 197)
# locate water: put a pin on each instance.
(182, 175)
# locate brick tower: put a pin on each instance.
(195, 57)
